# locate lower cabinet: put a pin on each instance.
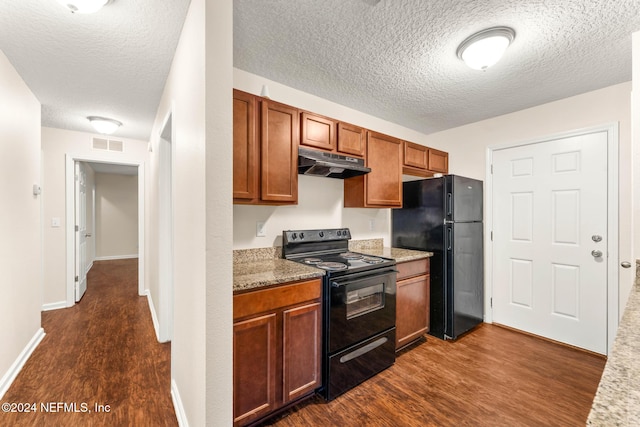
(412, 301)
(277, 343)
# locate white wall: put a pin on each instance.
(56, 143)
(321, 200)
(467, 147)
(20, 229)
(635, 130)
(116, 228)
(198, 92)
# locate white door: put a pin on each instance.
(81, 230)
(550, 239)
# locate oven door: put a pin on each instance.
(362, 305)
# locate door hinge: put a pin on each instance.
(491, 302)
(76, 278)
(492, 169)
(492, 235)
(77, 228)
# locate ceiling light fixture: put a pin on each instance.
(483, 49)
(83, 6)
(104, 125)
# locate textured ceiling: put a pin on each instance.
(113, 63)
(396, 59)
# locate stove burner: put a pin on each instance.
(351, 255)
(312, 261)
(372, 260)
(332, 266)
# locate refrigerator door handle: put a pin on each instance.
(449, 238)
(449, 204)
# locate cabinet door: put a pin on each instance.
(245, 146)
(318, 132)
(383, 185)
(412, 309)
(351, 139)
(416, 155)
(438, 161)
(279, 152)
(254, 368)
(302, 338)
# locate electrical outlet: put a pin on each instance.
(261, 229)
(372, 224)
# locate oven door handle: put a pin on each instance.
(357, 277)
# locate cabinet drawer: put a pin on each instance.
(260, 301)
(413, 268)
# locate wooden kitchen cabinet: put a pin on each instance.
(277, 344)
(352, 140)
(382, 187)
(419, 160)
(317, 131)
(412, 301)
(265, 151)
(245, 146)
(438, 161)
(330, 135)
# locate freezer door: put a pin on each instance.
(463, 199)
(464, 278)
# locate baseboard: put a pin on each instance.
(177, 405)
(154, 316)
(54, 306)
(114, 257)
(16, 367)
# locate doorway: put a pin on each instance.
(165, 232)
(70, 184)
(554, 249)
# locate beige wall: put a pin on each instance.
(20, 228)
(56, 144)
(198, 91)
(116, 230)
(635, 129)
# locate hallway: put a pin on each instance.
(103, 351)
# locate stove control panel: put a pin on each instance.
(316, 235)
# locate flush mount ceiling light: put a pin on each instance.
(483, 49)
(104, 125)
(83, 6)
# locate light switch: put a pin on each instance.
(55, 222)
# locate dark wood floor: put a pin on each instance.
(490, 377)
(104, 350)
(101, 351)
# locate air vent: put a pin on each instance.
(108, 144)
(100, 144)
(115, 145)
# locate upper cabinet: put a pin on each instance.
(382, 187)
(330, 135)
(245, 146)
(351, 139)
(266, 135)
(419, 160)
(318, 131)
(265, 151)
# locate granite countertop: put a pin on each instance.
(256, 268)
(617, 401)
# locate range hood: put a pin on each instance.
(330, 165)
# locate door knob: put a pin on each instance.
(625, 264)
(596, 238)
(87, 235)
(596, 253)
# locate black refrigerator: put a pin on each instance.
(444, 216)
